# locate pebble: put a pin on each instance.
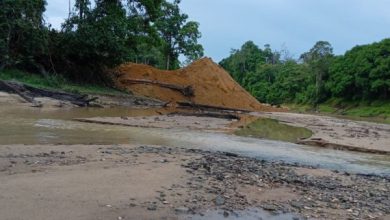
(182, 210)
(152, 207)
(219, 200)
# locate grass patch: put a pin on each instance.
(301, 108)
(272, 129)
(326, 108)
(376, 111)
(56, 82)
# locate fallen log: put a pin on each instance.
(325, 144)
(187, 91)
(207, 114)
(19, 90)
(28, 93)
(209, 107)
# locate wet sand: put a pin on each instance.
(338, 133)
(167, 122)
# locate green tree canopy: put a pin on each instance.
(23, 35)
(179, 36)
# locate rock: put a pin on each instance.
(231, 154)
(270, 207)
(220, 177)
(152, 207)
(297, 205)
(182, 210)
(219, 200)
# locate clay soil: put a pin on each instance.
(212, 85)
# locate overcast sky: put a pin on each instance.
(297, 24)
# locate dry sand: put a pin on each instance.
(91, 182)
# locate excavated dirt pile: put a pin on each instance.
(202, 83)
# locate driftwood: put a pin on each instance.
(28, 93)
(325, 144)
(209, 107)
(207, 114)
(187, 91)
(17, 89)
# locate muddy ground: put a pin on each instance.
(152, 182)
(107, 101)
(157, 182)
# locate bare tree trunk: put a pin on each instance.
(69, 9)
(168, 60)
(187, 91)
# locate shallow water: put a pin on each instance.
(38, 126)
(273, 130)
(250, 214)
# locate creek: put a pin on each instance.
(34, 126)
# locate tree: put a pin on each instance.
(179, 36)
(363, 73)
(245, 60)
(23, 36)
(319, 59)
(94, 42)
(82, 6)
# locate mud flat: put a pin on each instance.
(166, 122)
(154, 182)
(338, 133)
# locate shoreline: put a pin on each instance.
(115, 181)
(336, 133)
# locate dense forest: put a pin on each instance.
(95, 37)
(102, 34)
(362, 74)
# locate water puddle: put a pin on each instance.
(273, 130)
(250, 214)
(35, 126)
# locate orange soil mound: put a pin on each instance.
(212, 85)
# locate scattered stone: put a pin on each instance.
(182, 210)
(219, 200)
(270, 207)
(152, 207)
